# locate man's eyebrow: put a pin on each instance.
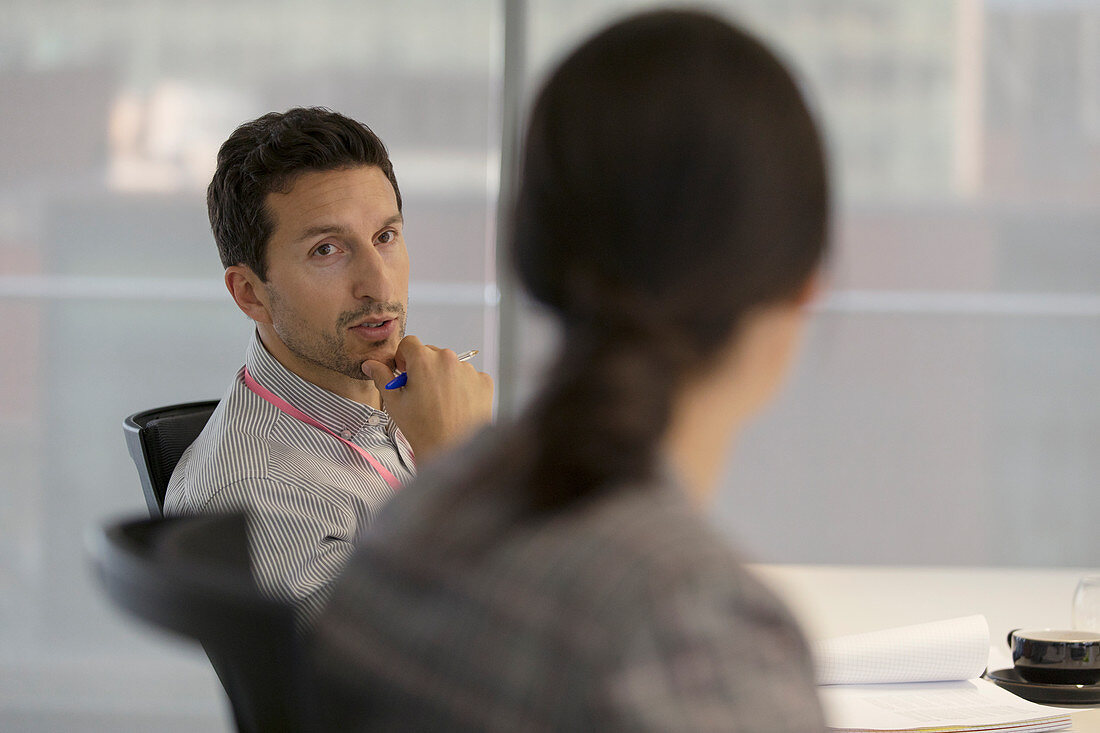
(323, 229)
(318, 230)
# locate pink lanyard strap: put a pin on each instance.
(281, 404)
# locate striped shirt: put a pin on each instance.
(308, 495)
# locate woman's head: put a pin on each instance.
(671, 164)
(673, 181)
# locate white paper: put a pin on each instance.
(928, 706)
(956, 649)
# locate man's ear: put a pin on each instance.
(249, 292)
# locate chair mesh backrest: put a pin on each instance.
(166, 438)
(157, 438)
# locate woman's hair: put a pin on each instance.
(673, 180)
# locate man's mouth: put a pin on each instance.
(375, 329)
(374, 321)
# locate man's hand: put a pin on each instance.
(444, 401)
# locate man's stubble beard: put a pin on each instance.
(329, 350)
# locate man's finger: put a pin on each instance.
(408, 346)
(379, 372)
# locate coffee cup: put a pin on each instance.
(1053, 656)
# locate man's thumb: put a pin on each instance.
(379, 372)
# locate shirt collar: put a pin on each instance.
(333, 411)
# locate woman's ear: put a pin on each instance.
(810, 290)
(249, 292)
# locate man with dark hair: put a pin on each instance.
(306, 213)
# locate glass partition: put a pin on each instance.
(946, 408)
(111, 298)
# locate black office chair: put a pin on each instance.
(191, 575)
(156, 440)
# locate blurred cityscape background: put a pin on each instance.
(946, 409)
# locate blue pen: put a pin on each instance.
(400, 380)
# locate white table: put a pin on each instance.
(833, 600)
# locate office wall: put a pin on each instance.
(947, 393)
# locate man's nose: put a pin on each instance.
(372, 278)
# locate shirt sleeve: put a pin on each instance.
(710, 656)
(298, 541)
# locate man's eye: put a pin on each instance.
(387, 236)
(325, 249)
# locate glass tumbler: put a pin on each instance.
(1086, 605)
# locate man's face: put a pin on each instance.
(337, 273)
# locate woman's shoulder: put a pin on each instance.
(646, 529)
(659, 544)
(606, 553)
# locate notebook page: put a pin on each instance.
(931, 706)
(955, 649)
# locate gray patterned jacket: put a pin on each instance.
(627, 612)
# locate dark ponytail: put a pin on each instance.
(605, 404)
